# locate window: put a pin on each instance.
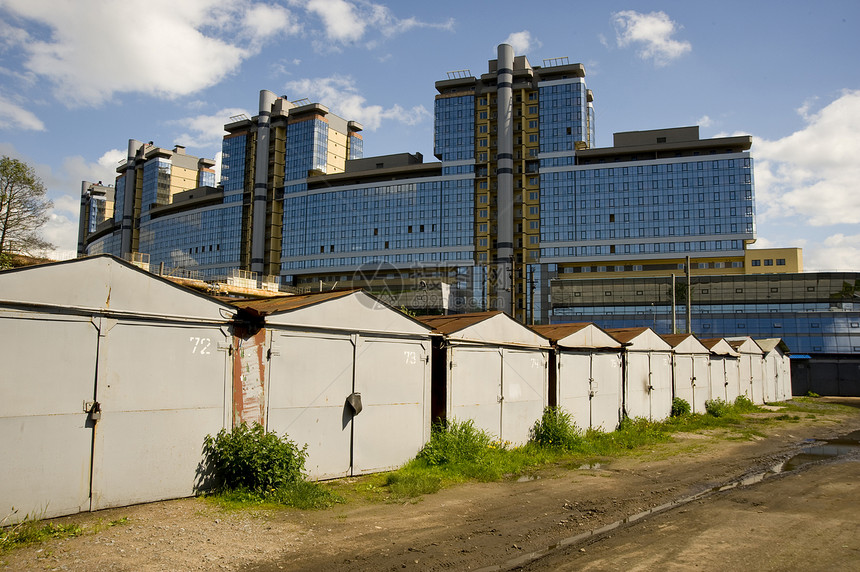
(756, 262)
(768, 262)
(780, 261)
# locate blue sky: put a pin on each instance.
(78, 78)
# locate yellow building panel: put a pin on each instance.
(773, 260)
(182, 179)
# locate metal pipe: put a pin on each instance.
(505, 177)
(261, 180)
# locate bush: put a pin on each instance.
(680, 407)
(455, 442)
(253, 459)
(717, 407)
(555, 429)
(743, 404)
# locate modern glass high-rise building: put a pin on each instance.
(520, 197)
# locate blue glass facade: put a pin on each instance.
(647, 209)
(454, 128)
(408, 223)
(119, 199)
(306, 149)
(356, 146)
(109, 244)
(207, 240)
(563, 115)
(233, 163)
(156, 185)
(206, 179)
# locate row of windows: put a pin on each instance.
(768, 262)
(641, 248)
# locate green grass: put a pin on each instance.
(304, 495)
(35, 531)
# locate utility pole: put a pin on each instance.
(689, 300)
(674, 315)
(532, 294)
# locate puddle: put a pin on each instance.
(527, 478)
(823, 450)
(593, 466)
(817, 451)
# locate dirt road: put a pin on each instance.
(487, 525)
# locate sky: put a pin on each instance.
(79, 78)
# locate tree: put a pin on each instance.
(23, 209)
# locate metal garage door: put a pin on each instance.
(48, 375)
(475, 389)
(606, 391)
(573, 387)
(393, 378)
(310, 379)
(524, 384)
(162, 388)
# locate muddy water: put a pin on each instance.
(845, 447)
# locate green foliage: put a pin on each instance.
(812, 394)
(23, 208)
(680, 407)
(717, 407)
(456, 442)
(743, 404)
(412, 482)
(301, 494)
(34, 531)
(253, 459)
(254, 467)
(555, 429)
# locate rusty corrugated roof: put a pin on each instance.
(675, 339)
(455, 322)
(556, 332)
(625, 335)
(280, 304)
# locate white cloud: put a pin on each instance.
(522, 42)
(341, 96)
(205, 130)
(77, 169)
(652, 33)
(704, 121)
(96, 48)
(813, 173)
(13, 116)
(341, 20)
(350, 22)
(61, 230)
(837, 253)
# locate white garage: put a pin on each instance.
(347, 375)
(112, 377)
(690, 378)
(490, 369)
(647, 373)
(723, 369)
(750, 373)
(585, 374)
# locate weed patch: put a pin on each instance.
(251, 466)
(35, 531)
(680, 407)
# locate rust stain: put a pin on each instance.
(249, 374)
